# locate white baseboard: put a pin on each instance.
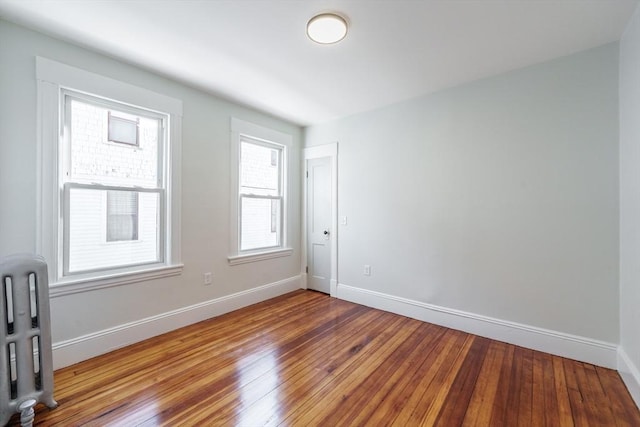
(566, 345)
(630, 374)
(75, 350)
(333, 287)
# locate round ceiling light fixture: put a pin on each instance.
(327, 28)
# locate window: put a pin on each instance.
(123, 130)
(259, 205)
(110, 189)
(260, 194)
(109, 157)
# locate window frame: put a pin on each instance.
(54, 79)
(271, 222)
(259, 135)
(69, 183)
(66, 188)
(66, 97)
(248, 195)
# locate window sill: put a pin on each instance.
(260, 256)
(75, 286)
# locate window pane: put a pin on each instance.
(122, 215)
(260, 223)
(89, 247)
(95, 159)
(122, 130)
(259, 169)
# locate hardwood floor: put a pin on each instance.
(305, 359)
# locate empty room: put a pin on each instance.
(319, 213)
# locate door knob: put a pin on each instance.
(325, 232)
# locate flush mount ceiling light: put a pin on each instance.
(327, 28)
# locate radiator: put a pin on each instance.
(25, 337)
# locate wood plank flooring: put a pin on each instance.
(304, 359)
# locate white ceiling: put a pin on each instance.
(256, 52)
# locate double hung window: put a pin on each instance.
(261, 194)
(109, 201)
(113, 188)
(259, 188)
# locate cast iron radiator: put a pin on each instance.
(26, 361)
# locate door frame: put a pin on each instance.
(326, 150)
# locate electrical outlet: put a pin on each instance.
(208, 279)
(367, 270)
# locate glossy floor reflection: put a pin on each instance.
(305, 359)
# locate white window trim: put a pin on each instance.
(66, 97)
(256, 132)
(52, 78)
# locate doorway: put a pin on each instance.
(321, 218)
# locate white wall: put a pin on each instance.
(630, 206)
(205, 192)
(497, 198)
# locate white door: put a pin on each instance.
(319, 233)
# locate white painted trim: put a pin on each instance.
(255, 131)
(260, 256)
(48, 216)
(75, 350)
(317, 152)
(559, 343)
(630, 374)
(334, 287)
(110, 280)
(237, 129)
(52, 78)
(85, 81)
